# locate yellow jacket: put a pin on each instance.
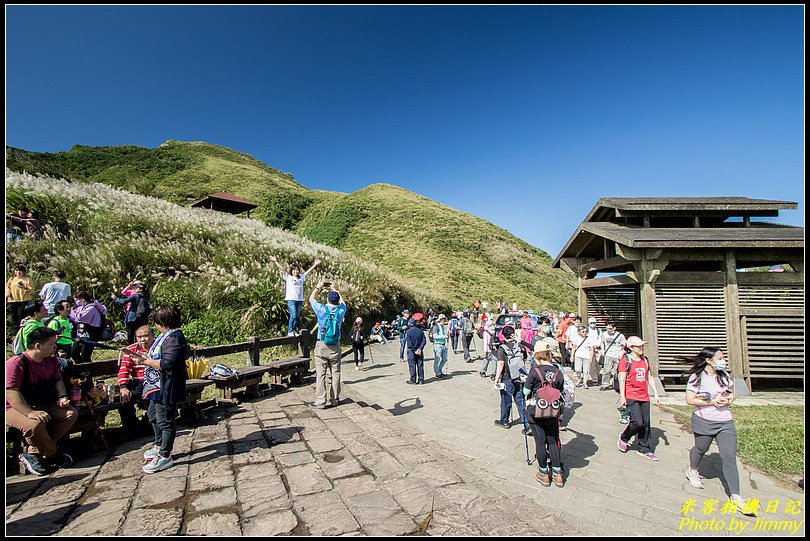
(15, 293)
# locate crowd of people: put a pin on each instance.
(526, 356)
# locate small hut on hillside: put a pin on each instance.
(225, 202)
(675, 272)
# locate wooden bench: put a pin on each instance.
(250, 377)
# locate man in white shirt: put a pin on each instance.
(582, 350)
(611, 344)
(54, 292)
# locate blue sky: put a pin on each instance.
(522, 115)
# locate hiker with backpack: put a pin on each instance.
(34, 313)
(453, 329)
(327, 349)
(294, 291)
(611, 345)
(634, 378)
(467, 333)
(438, 335)
(544, 404)
(18, 294)
(138, 309)
(511, 357)
(89, 315)
(491, 343)
(62, 324)
(37, 404)
(415, 346)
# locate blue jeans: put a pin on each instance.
(402, 344)
(439, 358)
(161, 416)
(416, 366)
(512, 390)
(295, 311)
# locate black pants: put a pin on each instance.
(82, 353)
(546, 433)
(564, 354)
(129, 419)
(15, 312)
(162, 418)
(639, 425)
(358, 347)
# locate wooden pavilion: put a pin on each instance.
(225, 202)
(675, 272)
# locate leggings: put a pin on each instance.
(358, 347)
(546, 432)
(725, 434)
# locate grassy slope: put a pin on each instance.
(450, 253)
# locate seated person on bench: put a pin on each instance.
(130, 378)
(37, 403)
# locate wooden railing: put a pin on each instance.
(254, 346)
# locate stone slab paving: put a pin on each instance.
(275, 466)
(607, 492)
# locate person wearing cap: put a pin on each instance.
(327, 356)
(582, 351)
(378, 333)
(490, 362)
(611, 345)
(546, 432)
(415, 345)
(509, 375)
(138, 308)
(439, 332)
(453, 330)
(402, 327)
(634, 378)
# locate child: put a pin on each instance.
(62, 324)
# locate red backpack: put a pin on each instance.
(548, 399)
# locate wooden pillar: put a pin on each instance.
(253, 352)
(738, 365)
(649, 325)
(582, 297)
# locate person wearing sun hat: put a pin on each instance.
(546, 432)
(634, 378)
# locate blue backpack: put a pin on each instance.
(331, 328)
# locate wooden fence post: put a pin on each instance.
(253, 352)
(304, 343)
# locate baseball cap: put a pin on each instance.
(591, 319)
(333, 297)
(541, 346)
(635, 341)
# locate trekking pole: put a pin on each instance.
(526, 441)
(370, 354)
(98, 425)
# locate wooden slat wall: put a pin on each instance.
(773, 343)
(690, 317)
(617, 304)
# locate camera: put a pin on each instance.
(499, 386)
(327, 284)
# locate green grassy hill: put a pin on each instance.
(213, 265)
(451, 254)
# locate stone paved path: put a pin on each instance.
(458, 412)
(274, 466)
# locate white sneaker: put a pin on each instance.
(694, 478)
(357, 367)
(158, 464)
(291, 333)
(152, 453)
(741, 504)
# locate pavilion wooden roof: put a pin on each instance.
(225, 202)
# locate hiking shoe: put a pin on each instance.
(34, 463)
(356, 367)
(578, 384)
(648, 455)
(694, 478)
(62, 460)
(409, 382)
(557, 477)
(318, 406)
(152, 453)
(623, 445)
(741, 506)
(482, 374)
(502, 424)
(158, 464)
(603, 387)
(543, 478)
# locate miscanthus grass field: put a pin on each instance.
(214, 266)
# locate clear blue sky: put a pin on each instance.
(521, 115)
